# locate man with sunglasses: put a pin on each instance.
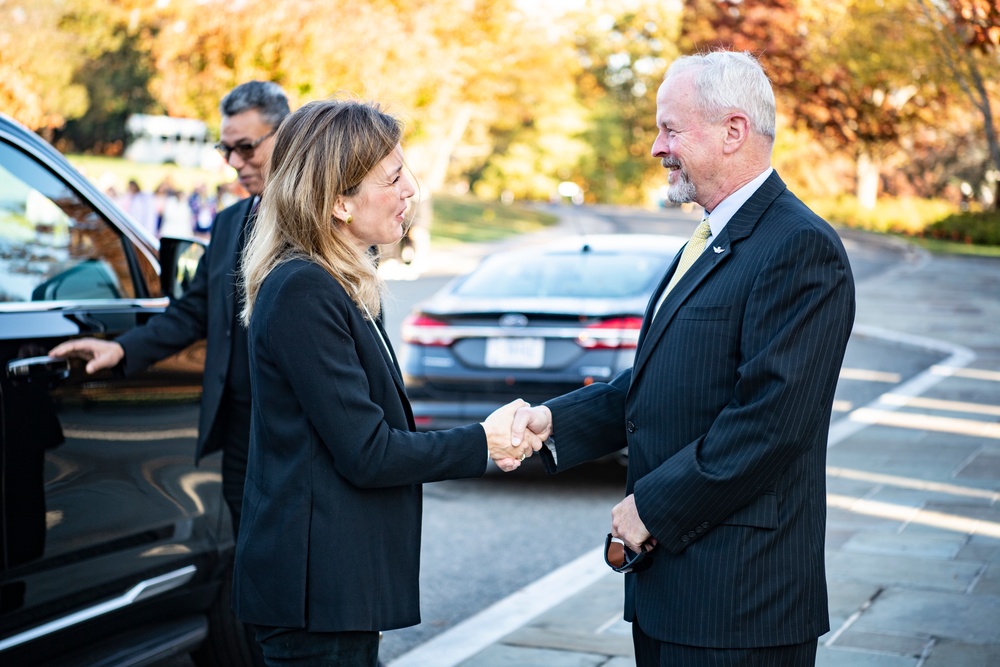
(251, 113)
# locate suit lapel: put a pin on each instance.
(698, 273)
(722, 248)
(387, 353)
(390, 360)
(229, 236)
(647, 318)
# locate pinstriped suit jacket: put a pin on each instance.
(726, 412)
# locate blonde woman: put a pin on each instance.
(329, 544)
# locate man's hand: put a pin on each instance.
(505, 454)
(99, 354)
(535, 424)
(628, 527)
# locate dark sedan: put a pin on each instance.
(531, 323)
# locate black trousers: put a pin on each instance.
(288, 647)
(233, 429)
(651, 652)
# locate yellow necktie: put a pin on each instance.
(693, 248)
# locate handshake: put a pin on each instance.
(515, 431)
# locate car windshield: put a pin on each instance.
(574, 275)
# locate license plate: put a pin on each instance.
(515, 352)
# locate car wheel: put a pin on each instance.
(230, 642)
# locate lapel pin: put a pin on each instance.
(718, 250)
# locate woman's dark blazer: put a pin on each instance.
(726, 413)
(330, 535)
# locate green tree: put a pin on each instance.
(454, 68)
(623, 54)
(528, 156)
(520, 107)
(854, 75)
(117, 83)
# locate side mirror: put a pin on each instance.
(179, 260)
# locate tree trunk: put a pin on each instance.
(991, 138)
(960, 59)
(430, 160)
(867, 181)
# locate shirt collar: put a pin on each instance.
(728, 207)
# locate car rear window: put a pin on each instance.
(574, 275)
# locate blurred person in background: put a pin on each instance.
(141, 206)
(175, 216)
(203, 209)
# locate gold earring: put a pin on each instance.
(349, 219)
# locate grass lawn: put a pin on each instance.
(468, 220)
(951, 247)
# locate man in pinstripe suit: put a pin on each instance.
(727, 406)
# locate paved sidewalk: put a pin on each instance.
(913, 535)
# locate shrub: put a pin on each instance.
(904, 215)
(920, 218)
(977, 228)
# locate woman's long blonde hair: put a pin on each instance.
(323, 150)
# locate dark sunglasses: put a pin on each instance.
(244, 150)
(622, 559)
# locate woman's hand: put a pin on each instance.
(498, 428)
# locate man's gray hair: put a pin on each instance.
(265, 97)
(729, 81)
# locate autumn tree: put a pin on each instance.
(36, 86)
(452, 67)
(853, 74)
(966, 34)
(530, 142)
(979, 20)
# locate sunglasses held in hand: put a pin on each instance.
(622, 559)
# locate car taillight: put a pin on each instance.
(616, 333)
(423, 330)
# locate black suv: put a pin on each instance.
(116, 548)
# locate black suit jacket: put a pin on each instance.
(206, 311)
(726, 413)
(330, 534)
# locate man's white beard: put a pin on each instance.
(682, 192)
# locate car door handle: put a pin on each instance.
(38, 367)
